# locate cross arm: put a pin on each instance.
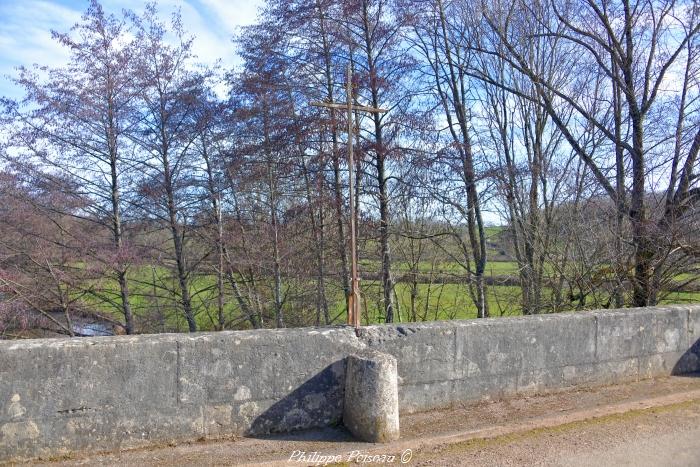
(363, 108)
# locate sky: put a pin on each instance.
(25, 29)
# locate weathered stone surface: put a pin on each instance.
(525, 344)
(269, 381)
(425, 351)
(541, 380)
(64, 395)
(486, 387)
(424, 396)
(693, 323)
(601, 373)
(622, 335)
(63, 377)
(73, 394)
(662, 364)
(371, 411)
(117, 392)
(640, 331)
(670, 331)
(692, 357)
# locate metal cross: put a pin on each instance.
(349, 107)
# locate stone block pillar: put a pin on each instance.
(371, 407)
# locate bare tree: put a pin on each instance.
(637, 47)
(72, 124)
(168, 91)
(442, 36)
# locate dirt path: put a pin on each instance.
(653, 422)
(660, 436)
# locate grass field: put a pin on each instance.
(493, 268)
(433, 302)
(158, 308)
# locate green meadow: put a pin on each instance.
(154, 299)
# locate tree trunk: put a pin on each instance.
(116, 204)
(178, 245)
(387, 281)
(335, 156)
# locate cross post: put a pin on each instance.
(354, 296)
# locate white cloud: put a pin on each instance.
(233, 13)
(25, 35)
(25, 32)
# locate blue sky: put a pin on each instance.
(25, 29)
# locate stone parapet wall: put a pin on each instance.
(59, 396)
